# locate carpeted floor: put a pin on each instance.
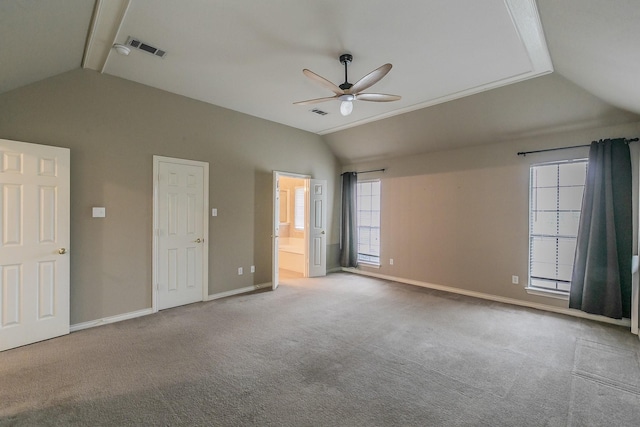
(344, 350)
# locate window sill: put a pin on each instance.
(547, 293)
(368, 264)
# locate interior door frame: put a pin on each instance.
(205, 226)
(276, 223)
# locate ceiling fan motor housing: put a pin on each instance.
(345, 59)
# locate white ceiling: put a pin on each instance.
(39, 39)
(596, 45)
(541, 106)
(248, 56)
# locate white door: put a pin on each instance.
(34, 243)
(275, 275)
(317, 250)
(181, 231)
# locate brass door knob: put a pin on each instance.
(199, 240)
(62, 251)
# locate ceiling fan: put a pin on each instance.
(347, 92)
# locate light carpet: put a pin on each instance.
(343, 350)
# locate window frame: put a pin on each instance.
(365, 258)
(532, 288)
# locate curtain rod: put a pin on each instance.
(373, 170)
(524, 153)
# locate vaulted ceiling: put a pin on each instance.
(468, 72)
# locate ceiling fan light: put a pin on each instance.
(346, 107)
(121, 49)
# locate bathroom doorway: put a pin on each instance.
(299, 237)
(292, 226)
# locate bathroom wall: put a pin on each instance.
(288, 185)
(292, 247)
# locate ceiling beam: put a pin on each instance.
(107, 19)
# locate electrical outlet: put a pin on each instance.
(515, 280)
(390, 261)
(240, 271)
(253, 268)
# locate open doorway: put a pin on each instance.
(299, 226)
(292, 247)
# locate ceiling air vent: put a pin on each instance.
(145, 47)
(320, 112)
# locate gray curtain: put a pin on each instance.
(601, 281)
(348, 224)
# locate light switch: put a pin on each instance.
(214, 212)
(99, 212)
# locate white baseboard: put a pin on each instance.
(544, 307)
(147, 311)
(110, 319)
(238, 291)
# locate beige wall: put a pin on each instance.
(113, 128)
(460, 218)
(455, 218)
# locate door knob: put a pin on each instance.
(322, 232)
(199, 240)
(62, 251)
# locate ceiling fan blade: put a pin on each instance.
(377, 97)
(315, 101)
(324, 82)
(370, 79)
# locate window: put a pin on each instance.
(298, 208)
(555, 201)
(369, 222)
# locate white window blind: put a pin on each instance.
(368, 206)
(555, 201)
